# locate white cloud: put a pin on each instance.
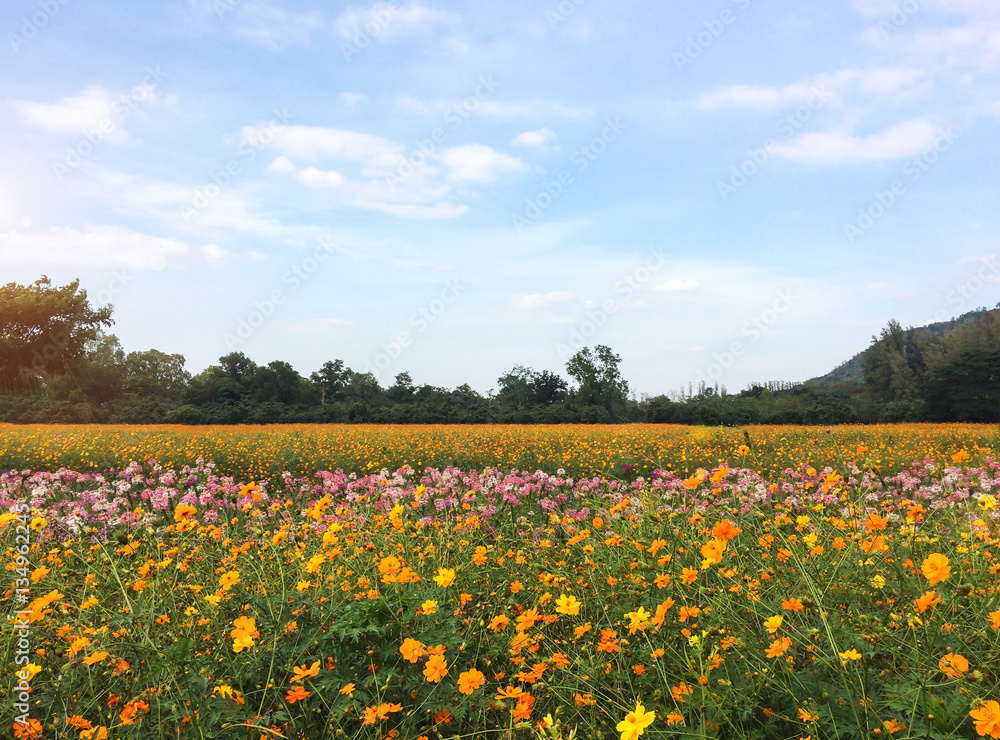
(845, 85)
(312, 142)
(215, 255)
(274, 28)
(375, 173)
(541, 301)
(280, 163)
(352, 98)
(71, 114)
(388, 21)
(677, 286)
(410, 210)
(478, 163)
(491, 108)
(539, 138)
(101, 245)
(899, 141)
(321, 178)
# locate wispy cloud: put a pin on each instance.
(677, 286)
(375, 173)
(540, 138)
(542, 301)
(275, 28)
(896, 142)
(104, 246)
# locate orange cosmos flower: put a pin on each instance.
(411, 649)
(96, 658)
(953, 665)
(892, 726)
(297, 693)
(725, 530)
(807, 716)
(926, 601)
(935, 568)
(470, 680)
(499, 622)
(568, 604)
(526, 620)
(792, 605)
(303, 672)
(522, 711)
(33, 729)
(78, 644)
(184, 511)
(679, 692)
(445, 577)
(712, 552)
(778, 647)
(689, 576)
(435, 668)
(995, 620)
(773, 624)
(987, 719)
(510, 692)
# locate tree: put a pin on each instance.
(44, 330)
(892, 366)
(516, 386)
(599, 381)
(548, 388)
(155, 373)
(332, 378)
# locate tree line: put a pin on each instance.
(58, 364)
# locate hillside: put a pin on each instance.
(850, 371)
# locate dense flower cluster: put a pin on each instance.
(187, 603)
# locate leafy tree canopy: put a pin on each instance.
(44, 330)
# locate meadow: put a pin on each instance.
(439, 582)
(252, 452)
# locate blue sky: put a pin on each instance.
(727, 191)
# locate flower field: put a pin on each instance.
(784, 583)
(254, 452)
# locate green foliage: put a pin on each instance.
(43, 330)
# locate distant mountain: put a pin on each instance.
(850, 371)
